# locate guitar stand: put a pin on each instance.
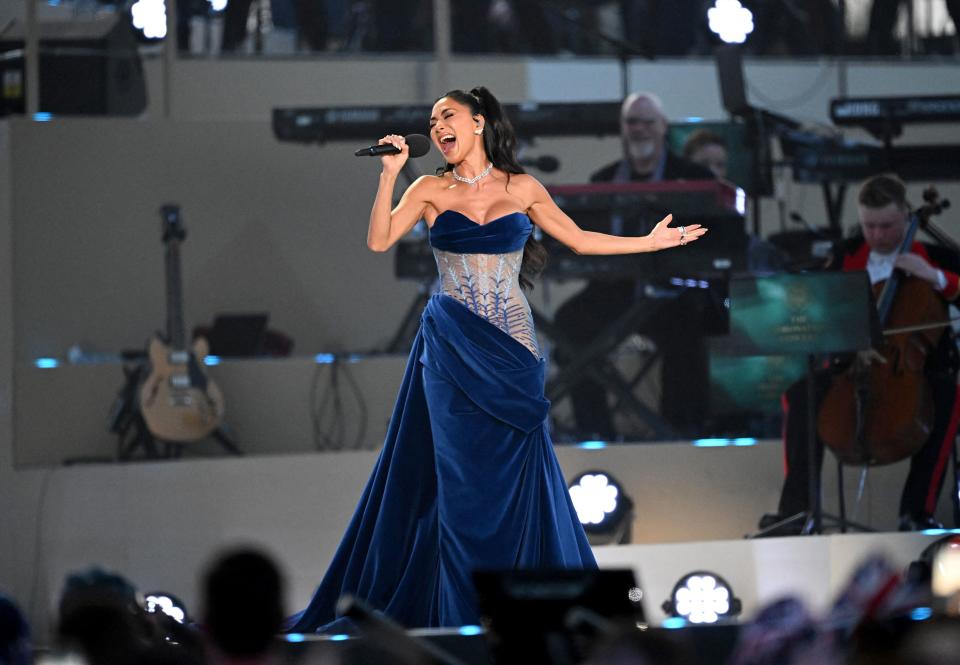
(134, 438)
(152, 448)
(226, 442)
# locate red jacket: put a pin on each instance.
(856, 258)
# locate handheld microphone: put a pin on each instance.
(418, 143)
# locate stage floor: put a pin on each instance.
(759, 571)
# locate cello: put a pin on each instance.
(878, 413)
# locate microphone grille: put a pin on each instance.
(418, 143)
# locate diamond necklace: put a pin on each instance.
(472, 181)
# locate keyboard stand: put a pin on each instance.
(593, 360)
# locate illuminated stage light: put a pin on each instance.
(940, 532)
(702, 597)
(592, 445)
(730, 21)
(150, 18)
(160, 601)
(945, 574)
(604, 510)
(921, 613)
(740, 442)
(741, 201)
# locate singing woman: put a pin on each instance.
(467, 478)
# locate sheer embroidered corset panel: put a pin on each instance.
(479, 266)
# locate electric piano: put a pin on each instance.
(816, 159)
(700, 198)
(892, 112)
(848, 161)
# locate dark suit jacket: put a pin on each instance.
(675, 168)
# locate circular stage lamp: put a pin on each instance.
(730, 21)
(702, 597)
(939, 565)
(945, 579)
(603, 508)
(161, 601)
(150, 18)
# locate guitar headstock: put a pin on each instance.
(171, 224)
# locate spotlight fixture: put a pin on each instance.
(603, 508)
(163, 602)
(945, 568)
(730, 21)
(940, 559)
(702, 597)
(150, 18)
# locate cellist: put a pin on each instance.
(883, 214)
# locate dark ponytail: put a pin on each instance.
(500, 143)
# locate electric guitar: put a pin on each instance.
(178, 400)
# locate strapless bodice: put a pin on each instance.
(479, 266)
(453, 231)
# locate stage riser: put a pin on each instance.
(160, 523)
(706, 645)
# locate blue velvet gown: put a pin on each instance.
(467, 478)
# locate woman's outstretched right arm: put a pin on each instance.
(388, 226)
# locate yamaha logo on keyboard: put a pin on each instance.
(857, 110)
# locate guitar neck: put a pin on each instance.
(175, 333)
